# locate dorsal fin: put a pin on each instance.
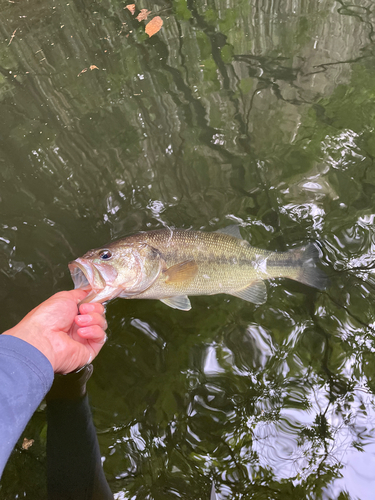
(183, 271)
(232, 230)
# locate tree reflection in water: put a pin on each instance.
(258, 113)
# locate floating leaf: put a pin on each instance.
(93, 67)
(13, 35)
(154, 25)
(27, 443)
(143, 15)
(131, 8)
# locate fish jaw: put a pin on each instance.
(101, 296)
(96, 279)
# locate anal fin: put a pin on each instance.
(255, 293)
(181, 302)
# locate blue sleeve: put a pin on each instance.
(26, 376)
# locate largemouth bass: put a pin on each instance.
(171, 264)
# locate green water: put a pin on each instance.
(255, 112)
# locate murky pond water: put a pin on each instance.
(250, 112)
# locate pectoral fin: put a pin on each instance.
(181, 302)
(255, 293)
(183, 271)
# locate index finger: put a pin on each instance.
(91, 307)
(75, 295)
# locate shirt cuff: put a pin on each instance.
(27, 354)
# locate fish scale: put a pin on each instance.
(225, 263)
(171, 264)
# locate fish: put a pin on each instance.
(172, 264)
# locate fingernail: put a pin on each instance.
(85, 331)
(89, 307)
(84, 319)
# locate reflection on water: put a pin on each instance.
(257, 113)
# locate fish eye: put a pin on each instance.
(105, 254)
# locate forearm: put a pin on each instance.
(74, 468)
(26, 375)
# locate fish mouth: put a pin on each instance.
(81, 275)
(78, 276)
(98, 282)
(86, 277)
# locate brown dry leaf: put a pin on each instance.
(93, 67)
(143, 15)
(131, 8)
(27, 443)
(154, 25)
(83, 71)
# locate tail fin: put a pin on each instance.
(310, 274)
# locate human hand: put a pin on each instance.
(67, 339)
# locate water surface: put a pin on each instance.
(254, 112)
